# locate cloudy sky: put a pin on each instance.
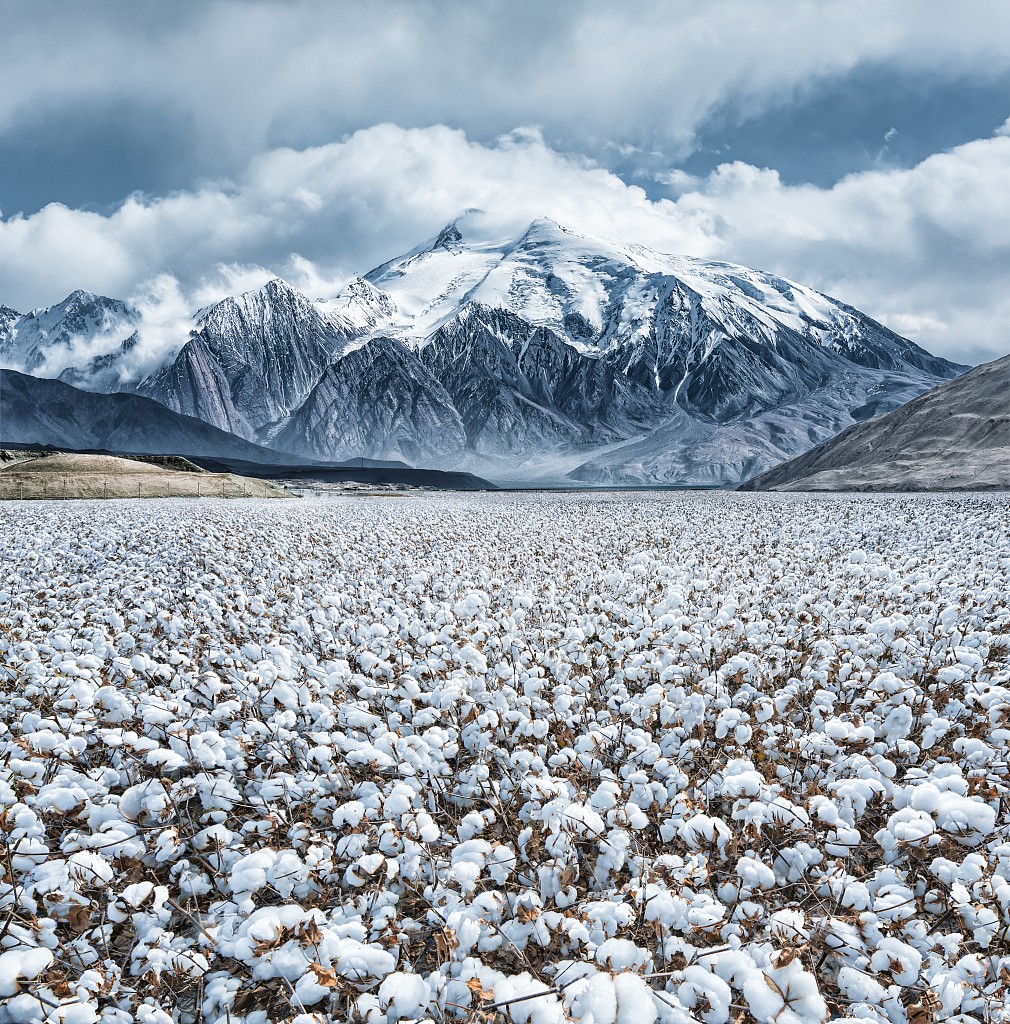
(172, 152)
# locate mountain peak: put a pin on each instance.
(273, 291)
(457, 231)
(449, 238)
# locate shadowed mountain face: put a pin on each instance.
(954, 437)
(377, 398)
(542, 357)
(50, 412)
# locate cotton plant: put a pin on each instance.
(506, 758)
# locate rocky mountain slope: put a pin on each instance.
(544, 357)
(38, 411)
(954, 437)
(253, 359)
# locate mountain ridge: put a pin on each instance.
(955, 436)
(542, 355)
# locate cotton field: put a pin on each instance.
(610, 759)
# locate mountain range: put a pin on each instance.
(547, 357)
(956, 436)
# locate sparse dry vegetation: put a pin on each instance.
(58, 476)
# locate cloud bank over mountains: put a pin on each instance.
(313, 141)
(925, 249)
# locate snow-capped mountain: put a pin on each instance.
(720, 337)
(540, 357)
(81, 339)
(359, 308)
(252, 360)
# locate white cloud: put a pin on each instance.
(925, 249)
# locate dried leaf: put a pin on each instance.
(324, 976)
(79, 919)
(309, 933)
(475, 986)
(445, 943)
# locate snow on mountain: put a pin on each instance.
(252, 360)
(80, 339)
(360, 307)
(8, 317)
(535, 357)
(605, 296)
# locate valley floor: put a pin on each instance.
(538, 758)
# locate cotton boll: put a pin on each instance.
(621, 955)
(403, 996)
(595, 1000)
(706, 994)
(901, 960)
(635, 1001)
(19, 966)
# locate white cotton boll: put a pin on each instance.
(581, 820)
(146, 800)
(740, 779)
(621, 955)
(79, 1013)
(948, 618)
(501, 863)
(595, 1000)
(425, 827)
(403, 996)
(755, 874)
(471, 824)
(702, 831)
(89, 868)
(606, 795)
(794, 999)
(637, 819)
(705, 993)
(249, 873)
(147, 1014)
(857, 986)
(635, 1001)
(788, 925)
(21, 965)
(968, 819)
(470, 658)
(136, 894)
(901, 960)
